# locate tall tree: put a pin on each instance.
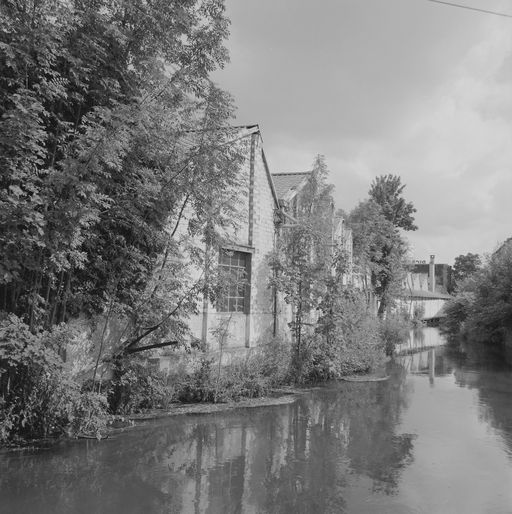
(106, 118)
(465, 266)
(386, 191)
(379, 251)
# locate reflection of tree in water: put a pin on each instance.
(90, 477)
(337, 436)
(295, 458)
(485, 369)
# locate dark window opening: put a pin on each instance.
(235, 268)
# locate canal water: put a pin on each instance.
(434, 438)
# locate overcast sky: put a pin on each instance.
(408, 87)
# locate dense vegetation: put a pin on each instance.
(482, 308)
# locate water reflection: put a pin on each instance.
(295, 458)
(442, 418)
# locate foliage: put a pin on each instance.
(394, 330)
(456, 312)
(38, 397)
(379, 248)
(464, 267)
(482, 308)
(386, 192)
(274, 360)
(379, 252)
(198, 386)
(112, 173)
(136, 387)
(87, 415)
(245, 378)
(248, 377)
(349, 335)
(302, 262)
(489, 315)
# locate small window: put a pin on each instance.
(236, 268)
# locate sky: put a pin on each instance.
(409, 87)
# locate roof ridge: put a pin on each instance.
(294, 173)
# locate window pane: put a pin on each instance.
(235, 269)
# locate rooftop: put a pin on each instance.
(284, 182)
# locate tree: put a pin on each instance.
(302, 261)
(378, 245)
(106, 140)
(386, 192)
(465, 266)
(379, 251)
(482, 307)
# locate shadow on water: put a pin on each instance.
(336, 449)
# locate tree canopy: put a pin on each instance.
(386, 191)
(108, 136)
(379, 248)
(465, 266)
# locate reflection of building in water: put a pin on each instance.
(431, 362)
(424, 337)
(223, 465)
(295, 455)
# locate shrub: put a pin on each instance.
(136, 386)
(273, 361)
(393, 330)
(198, 386)
(346, 340)
(456, 312)
(88, 415)
(249, 377)
(38, 397)
(240, 380)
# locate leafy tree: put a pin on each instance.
(378, 246)
(386, 191)
(379, 251)
(106, 142)
(465, 266)
(482, 308)
(303, 259)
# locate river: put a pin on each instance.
(434, 438)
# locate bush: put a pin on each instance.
(38, 397)
(346, 341)
(88, 415)
(199, 386)
(273, 360)
(456, 312)
(136, 386)
(244, 379)
(249, 377)
(393, 330)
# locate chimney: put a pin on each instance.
(432, 274)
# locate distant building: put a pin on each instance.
(426, 289)
(429, 276)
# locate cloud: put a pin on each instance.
(411, 88)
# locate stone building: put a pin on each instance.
(251, 313)
(247, 314)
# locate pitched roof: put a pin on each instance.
(284, 182)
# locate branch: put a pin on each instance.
(129, 351)
(128, 345)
